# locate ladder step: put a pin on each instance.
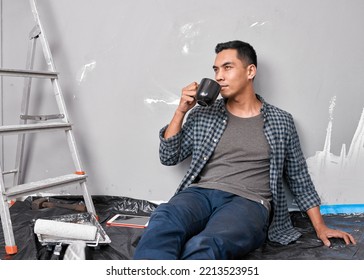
(28, 73)
(33, 128)
(33, 187)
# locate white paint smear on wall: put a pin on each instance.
(339, 179)
(82, 74)
(257, 23)
(153, 101)
(188, 32)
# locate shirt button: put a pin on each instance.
(205, 158)
(193, 176)
(224, 121)
(215, 140)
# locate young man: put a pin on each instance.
(232, 197)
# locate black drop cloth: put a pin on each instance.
(124, 240)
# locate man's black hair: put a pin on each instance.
(246, 52)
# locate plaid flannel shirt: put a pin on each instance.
(200, 135)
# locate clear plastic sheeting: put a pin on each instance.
(124, 240)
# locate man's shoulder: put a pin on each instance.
(277, 112)
(270, 109)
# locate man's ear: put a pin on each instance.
(252, 71)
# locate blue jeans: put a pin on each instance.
(199, 223)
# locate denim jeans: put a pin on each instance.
(199, 223)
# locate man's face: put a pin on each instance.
(232, 75)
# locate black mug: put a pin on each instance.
(207, 92)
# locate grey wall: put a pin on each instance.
(123, 63)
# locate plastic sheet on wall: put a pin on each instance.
(124, 240)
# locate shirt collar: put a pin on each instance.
(263, 109)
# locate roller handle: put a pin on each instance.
(76, 207)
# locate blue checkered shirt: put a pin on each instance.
(200, 135)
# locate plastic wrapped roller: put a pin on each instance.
(65, 229)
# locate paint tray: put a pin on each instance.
(80, 218)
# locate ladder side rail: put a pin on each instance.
(49, 60)
(7, 227)
(87, 198)
(74, 153)
(19, 176)
(56, 87)
(62, 107)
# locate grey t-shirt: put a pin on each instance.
(240, 163)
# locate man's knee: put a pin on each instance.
(204, 247)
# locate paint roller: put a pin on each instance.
(65, 230)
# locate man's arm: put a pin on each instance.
(187, 102)
(175, 125)
(323, 232)
(306, 196)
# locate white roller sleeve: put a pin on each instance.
(65, 230)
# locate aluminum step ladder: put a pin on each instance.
(41, 123)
